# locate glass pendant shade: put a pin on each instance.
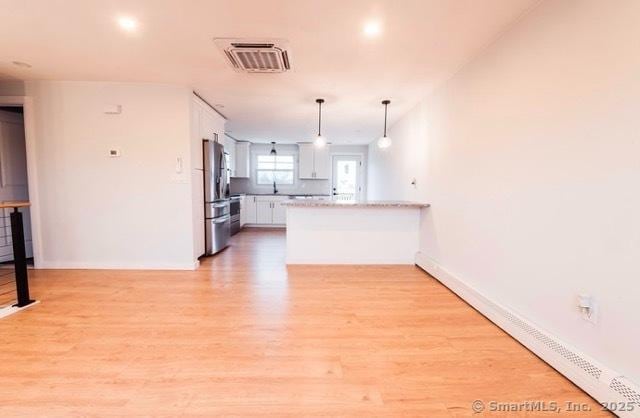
(384, 142)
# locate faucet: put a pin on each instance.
(275, 190)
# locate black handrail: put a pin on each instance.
(20, 259)
(19, 254)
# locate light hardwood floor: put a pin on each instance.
(247, 336)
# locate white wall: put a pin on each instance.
(134, 211)
(530, 159)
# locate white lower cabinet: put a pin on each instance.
(264, 212)
(269, 210)
(279, 213)
(248, 211)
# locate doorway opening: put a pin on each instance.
(13, 181)
(346, 177)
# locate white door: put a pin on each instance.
(346, 175)
(264, 210)
(279, 212)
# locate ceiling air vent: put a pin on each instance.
(256, 56)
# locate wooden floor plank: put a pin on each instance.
(247, 336)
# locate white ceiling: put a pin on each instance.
(423, 43)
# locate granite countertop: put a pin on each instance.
(355, 204)
(279, 194)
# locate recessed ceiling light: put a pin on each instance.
(372, 28)
(127, 23)
(21, 64)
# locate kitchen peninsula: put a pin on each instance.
(346, 232)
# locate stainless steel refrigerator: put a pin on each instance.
(216, 197)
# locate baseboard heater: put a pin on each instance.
(605, 385)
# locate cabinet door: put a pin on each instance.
(243, 210)
(249, 210)
(279, 213)
(264, 212)
(208, 125)
(196, 139)
(242, 168)
(305, 161)
(322, 163)
(230, 148)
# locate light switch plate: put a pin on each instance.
(112, 109)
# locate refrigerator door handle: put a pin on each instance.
(221, 219)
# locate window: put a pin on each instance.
(278, 168)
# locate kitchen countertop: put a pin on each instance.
(355, 204)
(14, 204)
(280, 194)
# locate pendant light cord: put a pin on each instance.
(385, 119)
(319, 117)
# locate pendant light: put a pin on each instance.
(320, 141)
(273, 149)
(385, 141)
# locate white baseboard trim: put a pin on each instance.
(602, 383)
(280, 226)
(74, 265)
(10, 310)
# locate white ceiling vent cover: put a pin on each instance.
(256, 55)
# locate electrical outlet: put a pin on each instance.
(588, 308)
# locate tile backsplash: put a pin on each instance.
(247, 186)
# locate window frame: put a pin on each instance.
(257, 170)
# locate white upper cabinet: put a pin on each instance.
(305, 161)
(209, 125)
(313, 162)
(322, 163)
(242, 166)
(205, 122)
(230, 149)
(196, 140)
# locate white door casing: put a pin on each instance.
(346, 177)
